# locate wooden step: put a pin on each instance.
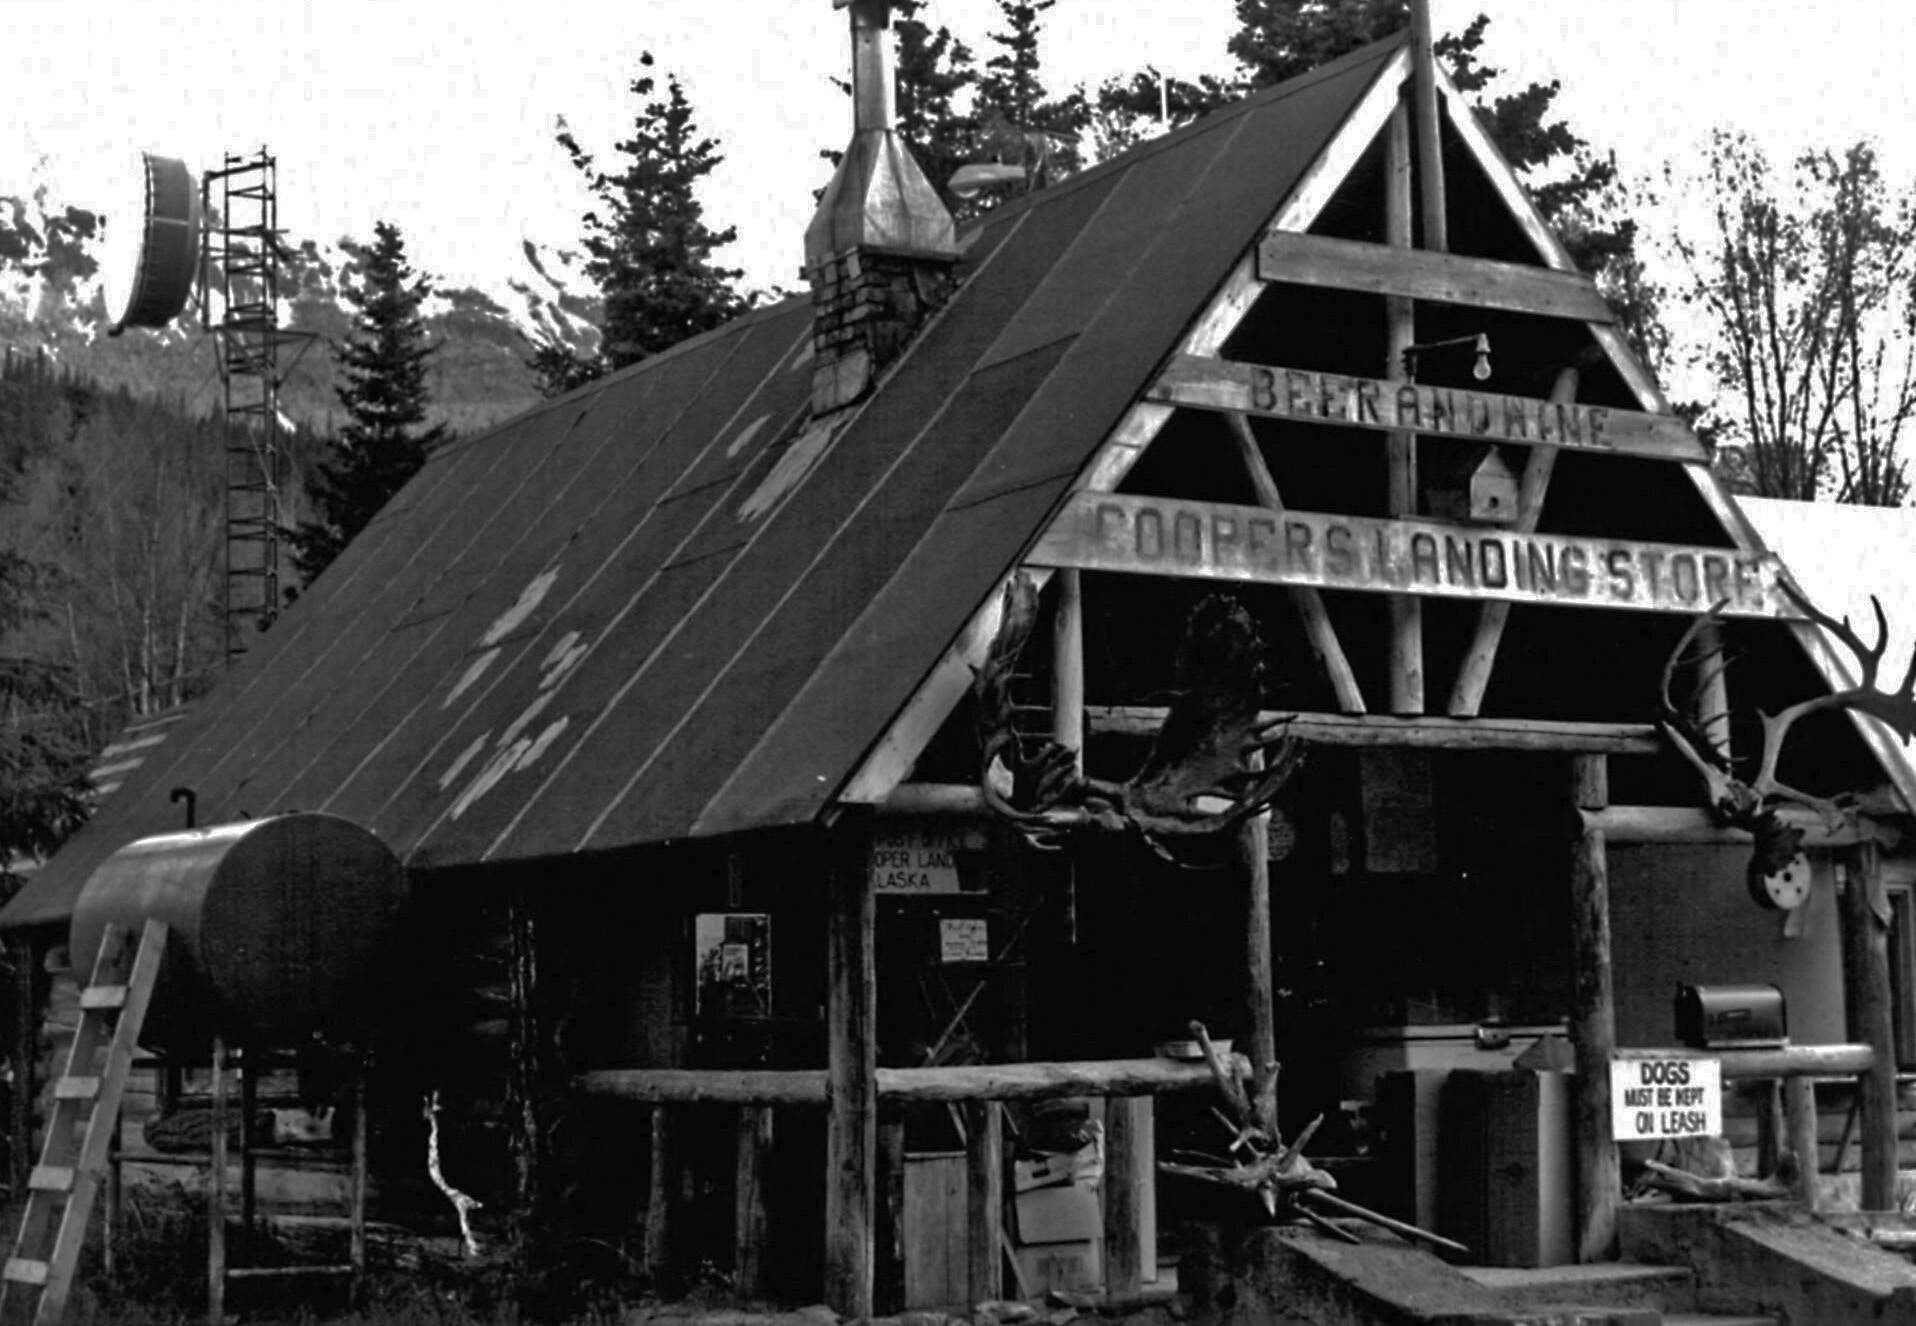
(51, 1178)
(77, 1088)
(100, 997)
(24, 1271)
(1598, 1284)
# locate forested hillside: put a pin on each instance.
(112, 497)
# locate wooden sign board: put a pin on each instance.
(1372, 403)
(1656, 1098)
(1212, 541)
(919, 858)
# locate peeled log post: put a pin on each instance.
(1251, 864)
(1799, 1127)
(748, 1202)
(1430, 151)
(959, 1082)
(1593, 1023)
(1866, 978)
(984, 1199)
(851, 1088)
(658, 1202)
(1406, 610)
(1127, 1175)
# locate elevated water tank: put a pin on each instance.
(279, 925)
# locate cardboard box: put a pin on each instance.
(1062, 1266)
(1067, 1213)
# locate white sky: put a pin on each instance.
(439, 116)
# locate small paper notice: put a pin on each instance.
(964, 939)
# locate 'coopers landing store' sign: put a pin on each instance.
(1211, 541)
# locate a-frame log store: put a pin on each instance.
(862, 765)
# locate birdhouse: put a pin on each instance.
(1477, 489)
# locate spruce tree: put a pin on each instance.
(1013, 101)
(647, 244)
(935, 71)
(385, 440)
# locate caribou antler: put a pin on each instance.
(1753, 804)
(1202, 776)
(1731, 800)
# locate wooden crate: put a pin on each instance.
(1506, 1167)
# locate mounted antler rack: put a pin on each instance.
(1213, 764)
(1756, 804)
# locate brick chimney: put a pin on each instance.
(880, 250)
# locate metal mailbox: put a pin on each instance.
(1714, 1017)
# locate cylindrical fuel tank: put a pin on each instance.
(278, 925)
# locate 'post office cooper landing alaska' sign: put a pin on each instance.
(1211, 541)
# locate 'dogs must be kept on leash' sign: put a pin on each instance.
(1655, 1098)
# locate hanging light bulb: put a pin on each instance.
(1481, 370)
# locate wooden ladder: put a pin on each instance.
(86, 1110)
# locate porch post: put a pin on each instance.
(1593, 1020)
(851, 1080)
(1865, 923)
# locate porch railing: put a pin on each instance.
(977, 1090)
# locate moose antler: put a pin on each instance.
(1202, 776)
(1752, 804)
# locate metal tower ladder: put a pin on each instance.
(80, 1127)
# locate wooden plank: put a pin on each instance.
(77, 1088)
(1865, 917)
(1440, 278)
(1325, 646)
(1405, 662)
(1480, 657)
(984, 1201)
(1806, 1061)
(1593, 1022)
(851, 1127)
(51, 1178)
(749, 1224)
(1145, 535)
(25, 1271)
(1302, 395)
(1127, 1123)
(103, 997)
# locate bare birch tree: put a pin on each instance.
(1804, 280)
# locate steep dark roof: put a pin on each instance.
(660, 608)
